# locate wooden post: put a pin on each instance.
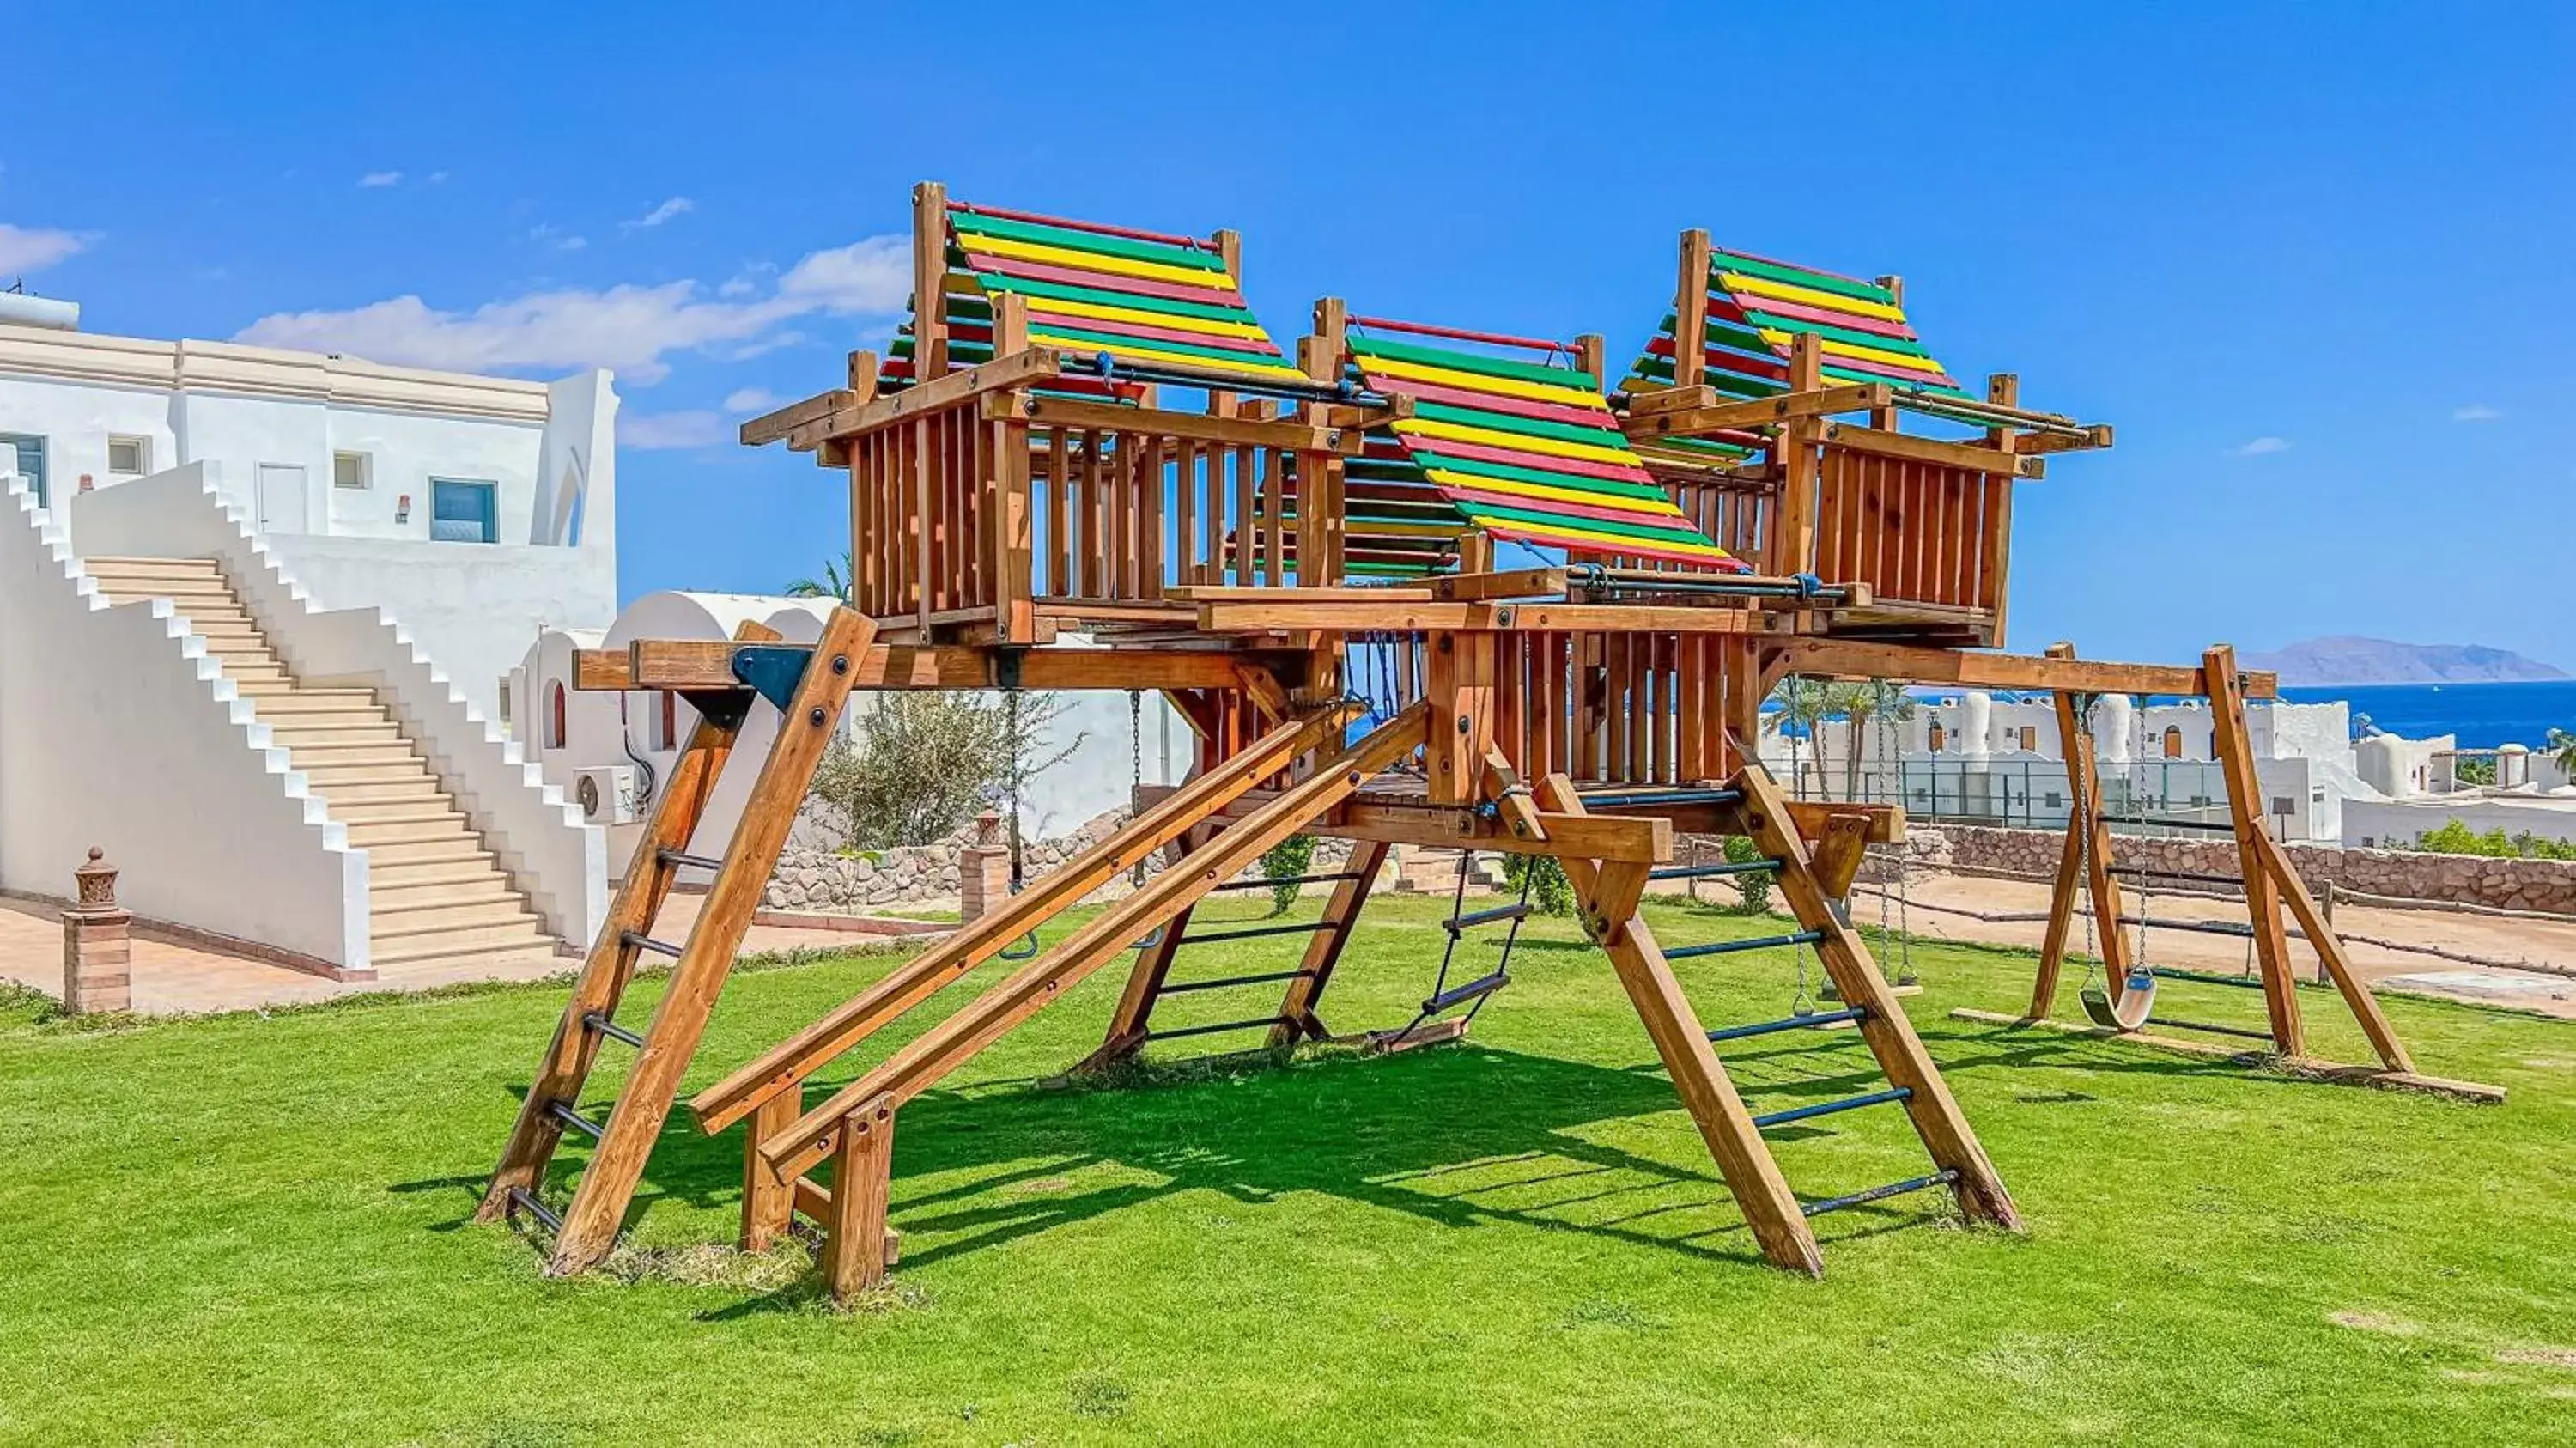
(1462, 713)
(2230, 741)
(1324, 949)
(1995, 542)
(768, 1200)
(929, 281)
(1887, 419)
(1590, 355)
(1793, 541)
(854, 1250)
(1690, 312)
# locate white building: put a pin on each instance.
(255, 607)
(475, 510)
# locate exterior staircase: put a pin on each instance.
(438, 900)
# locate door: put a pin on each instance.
(281, 498)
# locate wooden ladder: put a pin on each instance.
(810, 686)
(1608, 894)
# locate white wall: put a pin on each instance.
(2385, 823)
(117, 731)
(184, 513)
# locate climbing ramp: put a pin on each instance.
(1525, 450)
(1142, 299)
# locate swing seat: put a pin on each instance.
(2137, 1001)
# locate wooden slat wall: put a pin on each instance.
(1915, 532)
(1124, 515)
(919, 543)
(1735, 515)
(1613, 708)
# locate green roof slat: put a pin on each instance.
(1134, 301)
(1722, 260)
(1514, 422)
(1091, 241)
(1573, 482)
(1832, 333)
(1365, 347)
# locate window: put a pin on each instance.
(129, 457)
(30, 460)
(555, 717)
(2173, 741)
(352, 470)
(505, 703)
(2029, 738)
(461, 511)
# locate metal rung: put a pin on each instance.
(1178, 1031)
(1724, 867)
(2240, 982)
(1256, 932)
(2159, 822)
(1770, 1119)
(1459, 995)
(1943, 1177)
(1474, 918)
(642, 941)
(1300, 881)
(1185, 987)
(1635, 799)
(2251, 1035)
(683, 857)
(2194, 927)
(612, 1030)
(1730, 947)
(562, 1111)
(1793, 1023)
(521, 1199)
(2192, 877)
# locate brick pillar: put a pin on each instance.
(984, 869)
(96, 955)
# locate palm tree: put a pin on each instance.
(835, 582)
(2562, 750)
(1859, 704)
(1802, 702)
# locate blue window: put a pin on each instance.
(463, 512)
(28, 453)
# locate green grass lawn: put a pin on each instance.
(255, 1229)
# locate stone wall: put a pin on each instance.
(2543, 885)
(822, 880)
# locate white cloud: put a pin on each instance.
(751, 400)
(630, 328)
(546, 233)
(437, 177)
(2261, 446)
(662, 431)
(2476, 412)
(32, 249)
(676, 206)
(381, 178)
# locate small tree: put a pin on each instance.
(1544, 879)
(1753, 886)
(925, 763)
(2562, 750)
(1282, 865)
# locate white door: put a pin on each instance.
(281, 498)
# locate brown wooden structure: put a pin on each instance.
(1588, 712)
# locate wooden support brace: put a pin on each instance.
(2232, 743)
(854, 1248)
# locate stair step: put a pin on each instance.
(421, 791)
(471, 940)
(181, 591)
(494, 914)
(475, 961)
(372, 764)
(426, 809)
(450, 830)
(401, 863)
(140, 567)
(487, 887)
(333, 752)
(281, 712)
(261, 688)
(336, 701)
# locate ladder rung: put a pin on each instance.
(1459, 995)
(521, 1199)
(1185, 987)
(642, 941)
(1829, 1108)
(1474, 918)
(1178, 1031)
(1702, 872)
(1256, 932)
(1637, 799)
(1943, 1177)
(683, 857)
(1281, 884)
(1730, 947)
(612, 1030)
(562, 1111)
(1792, 1023)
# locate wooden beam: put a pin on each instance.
(1972, 456)
(1681, 397)
(1690, 311)
(708, 664)
(1291, 434)
(2328, 945)
(1756, 411)
(1517, 583)
(949, 389)
(1970, 669)
(854, 1249)
(2231, 743)
(770, 427)
(1324, 948)
(1293, 614)
(768, 1201)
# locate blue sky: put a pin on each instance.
(2311, 260)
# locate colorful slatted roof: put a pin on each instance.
(1137, 296)
(1525, 450)
(1756, 306)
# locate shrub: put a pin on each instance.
(1548, 888)
(1753, 886)
(924, 764)
(1281, 866)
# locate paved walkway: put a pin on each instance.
(170, 978)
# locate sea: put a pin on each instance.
(2484, 716)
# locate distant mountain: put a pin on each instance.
(2350, 659)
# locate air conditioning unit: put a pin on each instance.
(606, 794)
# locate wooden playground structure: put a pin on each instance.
(1306, 560)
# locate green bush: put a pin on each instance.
(2455, 838)
(1754, 886)
(1282, 864)
(1548, 889)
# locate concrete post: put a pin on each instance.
(97, 956)
(984, 869)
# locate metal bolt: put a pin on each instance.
(816, 717)
(840, 663)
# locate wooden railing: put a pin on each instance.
(1919, 533)
(1003, 509)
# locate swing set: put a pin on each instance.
(1084, 429)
